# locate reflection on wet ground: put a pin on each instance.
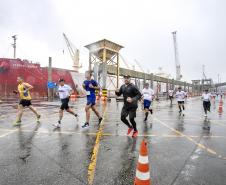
(186, 149)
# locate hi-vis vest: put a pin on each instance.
(23, 95)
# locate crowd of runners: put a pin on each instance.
(131, 96)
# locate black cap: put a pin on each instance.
(61, 80)
(127, 76)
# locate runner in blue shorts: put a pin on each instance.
(148, 95)
(90, 86)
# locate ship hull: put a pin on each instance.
(32, 73)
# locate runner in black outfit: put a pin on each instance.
(131, 96)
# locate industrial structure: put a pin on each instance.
(177, 62)
(106, 62)
(102, 54)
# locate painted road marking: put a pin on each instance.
(209, 150)
(43, 117)
(13, 131)
(93, 162)
(110, 134)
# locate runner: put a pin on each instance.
(131, 96)
(180, 95)
(221, 95)
(170, 93)
(186, 96)
(213, 94)
(148, 95)
(206, 97)
(25, 100)
(64, 92)
(90, 86)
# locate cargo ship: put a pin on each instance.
(34, 74)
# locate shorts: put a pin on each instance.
(64, 104)
(131, 112)
(25, 103)
(206, 105)
(147, 104)
(170, 97)
(91, 100)
(180, 102)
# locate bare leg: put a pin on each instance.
(33, 110)
(179, 105)
(87, 109)
(95, 111)
(20, 112)
(146, 114)
(71, 111)
(61, 112)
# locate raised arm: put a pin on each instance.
(118, 92)
(28, 86)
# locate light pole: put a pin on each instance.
(14, 45)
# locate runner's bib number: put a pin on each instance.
(87, 93)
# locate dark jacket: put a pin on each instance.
(131, 91)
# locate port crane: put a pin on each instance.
(74, 53)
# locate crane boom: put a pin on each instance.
(124, 61)
(178, 69)
(203, 72)
(139, 65)
(74, 53)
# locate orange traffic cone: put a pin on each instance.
(142, 172)
(103, 98)
(73, 97)
(220, 109)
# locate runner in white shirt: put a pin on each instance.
(170, 93)
(64, 92)
(206, 97)
(148, 95)
(180, 95)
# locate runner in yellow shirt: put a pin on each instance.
(25, 100)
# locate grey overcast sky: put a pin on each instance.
(143, 27)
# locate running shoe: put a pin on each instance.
(182, 112)
(57, 125)
(129, 131)
(100, 119)
(135, 133)
(86, 125)
(151, 111)
(38, 117)
(17, 123)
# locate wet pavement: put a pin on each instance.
(182, 151)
